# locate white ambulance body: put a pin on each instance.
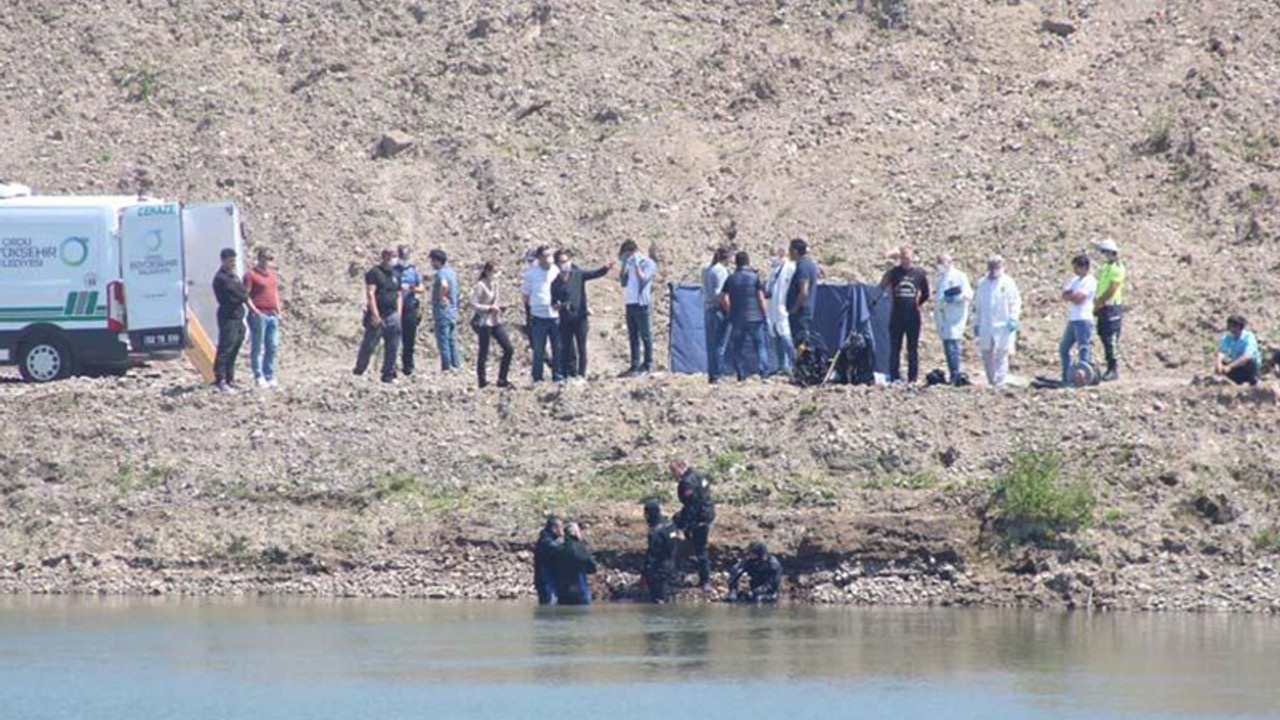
(96, 284)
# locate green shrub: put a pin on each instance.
(1267, 540)
(1033, 504)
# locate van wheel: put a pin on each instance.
(44, 359)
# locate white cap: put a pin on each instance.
(1107, 245)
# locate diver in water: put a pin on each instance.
(764, 573)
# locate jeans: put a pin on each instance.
(573, 346)
(904, 326)
(785, 350)
(264, 338)
(542, 330)
(1110, 322)
(1077, 332)
(230, 338)
(408, 336)
(389, 332)
(755, 332)
(640, 331)
(1246, 373)
(951, 350)
(717, 330)
(497, 333)
(444, 329)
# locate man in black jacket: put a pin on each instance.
(697, 512)
(544, 559)
(572, 566)
(660, 558)
(570, 291)
(231, 295)
(764, 573)
(383, 307)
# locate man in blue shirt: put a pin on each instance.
(714, 320)
(410, 290)
(1238, 355)
(743, 294)
(444, 308)
(802, 295)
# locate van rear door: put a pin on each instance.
(207, 229)
(154, 276)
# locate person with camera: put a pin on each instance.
(383, 306)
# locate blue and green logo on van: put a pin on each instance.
(74, 251)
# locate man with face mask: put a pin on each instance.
(411, 289)
(780, 272)
(951, 311)
(997, 311)
(570, 291)
(544, 313)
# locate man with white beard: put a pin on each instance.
(997, 309)
(775, 288)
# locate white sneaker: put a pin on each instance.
(272, 383)
(262, 383)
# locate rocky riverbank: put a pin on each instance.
(153, 485)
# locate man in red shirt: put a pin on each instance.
(262, 282)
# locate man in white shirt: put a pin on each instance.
(951, 311)
(637, 292)
(997, 311)
(1078, 293)
(776, 292)
(544, 316)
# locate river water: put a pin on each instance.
(116, 659)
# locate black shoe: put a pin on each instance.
(1110, 375)
(503, 384)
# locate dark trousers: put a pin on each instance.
(753, 332)
(640, 332)
(544, 583)
(1245, 374)
(573, 346)
(408, 337)
(904, 326)
(697, 535)
(542, 330)
(801, 326)
(230, 338)
(1110, 322)
(658, 585)
(389, 332)
(497, 333)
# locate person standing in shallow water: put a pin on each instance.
(550, 540)
(660, 556)
(573, 563)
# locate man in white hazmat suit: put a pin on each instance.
(779, 279)
(951, 311)
(997, 308)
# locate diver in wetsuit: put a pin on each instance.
(573, 563)
(764, 573)
(696, 514)
(660, 557)
(544, 555)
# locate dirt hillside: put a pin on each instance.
(957, 124)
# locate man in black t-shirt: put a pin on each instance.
(231, 295)
(908, 288)
(383, 305)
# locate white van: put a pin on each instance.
(94, 284)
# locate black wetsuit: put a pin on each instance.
(544, 559)
(695, 518)
(764, 574)
(660, 559)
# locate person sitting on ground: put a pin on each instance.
(1238, 356)
(573, 564)
(742, 295)
(660, 556)
(697, 512)
(764, 574)
(1078, 293)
